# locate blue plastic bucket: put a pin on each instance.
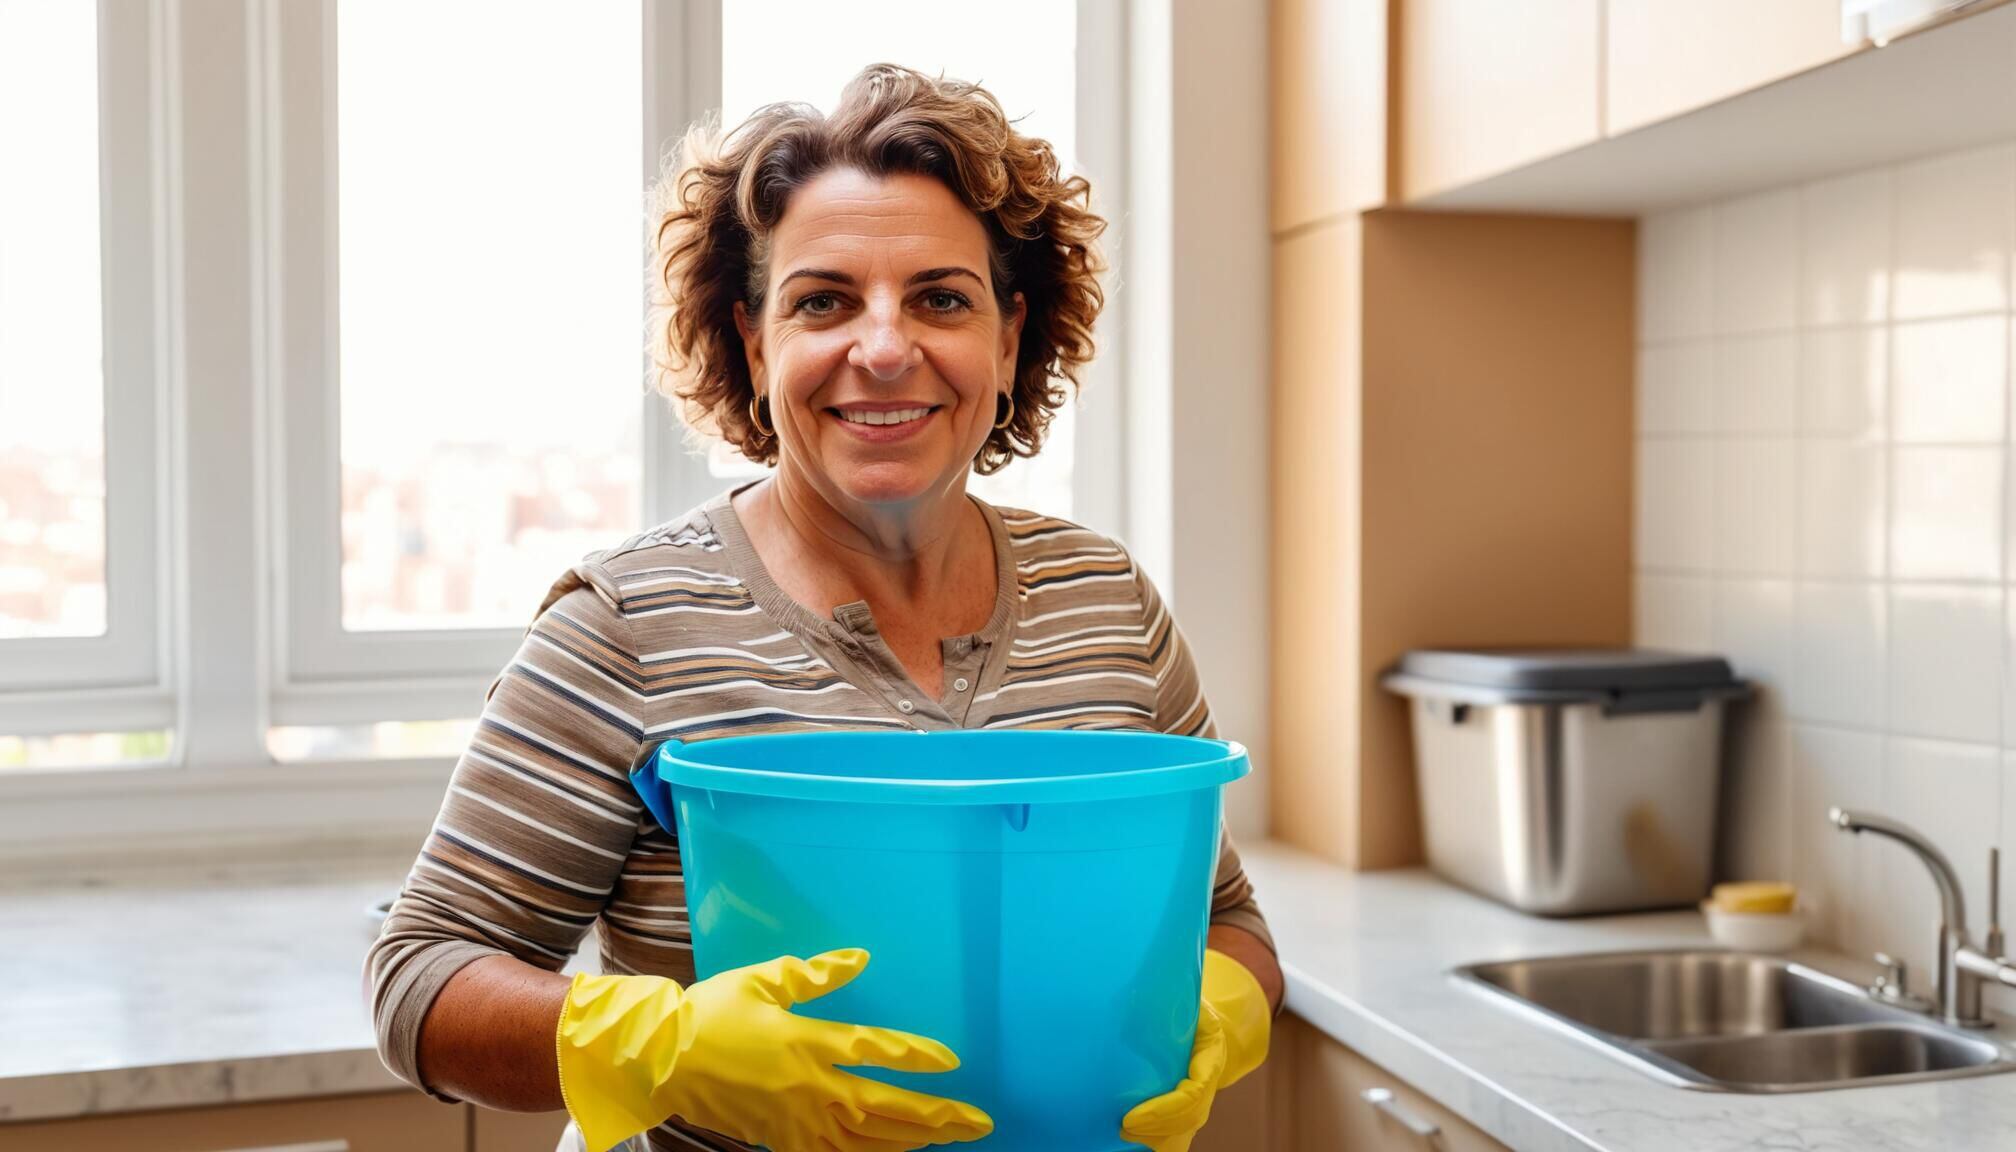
(1035, 900)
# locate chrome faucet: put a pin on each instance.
(1963, 968)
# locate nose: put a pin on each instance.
(884, 349)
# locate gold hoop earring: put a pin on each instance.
(1004, 421)
(756, 418)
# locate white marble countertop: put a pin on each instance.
(1368, 955)
(165, 995)
(208, 991)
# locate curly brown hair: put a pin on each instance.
(721, 193)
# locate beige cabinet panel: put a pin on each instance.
(517, 1131)
(1252, 1115)
(380, 1122)
(1486, 86)
(1666, 57)
(1328, 101)
(1333, 1108)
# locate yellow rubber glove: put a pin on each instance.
(1233, 1022)
(728, 1054)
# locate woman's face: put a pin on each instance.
(880, 347)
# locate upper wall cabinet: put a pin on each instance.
(1329, 108)
(1666, 57)
(1485, 86)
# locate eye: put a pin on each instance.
(816, 304)
(946, 300)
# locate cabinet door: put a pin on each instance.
(1486, 86)
(1665, 57)
(1328, 96)
(1343, 1100)
(381, 1122)
(517, 1131)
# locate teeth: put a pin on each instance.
(899, 416)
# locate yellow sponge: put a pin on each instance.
(1757, 896)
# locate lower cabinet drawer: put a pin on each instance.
(1346, 1103)
(377, 1122)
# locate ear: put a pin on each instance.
(752, 345)
(1011, 334)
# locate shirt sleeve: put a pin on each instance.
(1180, 707)
(537, 821)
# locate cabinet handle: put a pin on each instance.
(1389, 1104)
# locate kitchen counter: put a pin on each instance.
(1367, 958)
(188, 993)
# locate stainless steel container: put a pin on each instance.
(1569, 781)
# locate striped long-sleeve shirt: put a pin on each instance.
(679, 633)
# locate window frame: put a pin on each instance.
(207, 450)
(117, 679)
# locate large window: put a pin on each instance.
(52, 385)
(488, 198)
(322, 339)
(80, 387)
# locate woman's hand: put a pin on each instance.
(728, 1054)
(1233, 1022)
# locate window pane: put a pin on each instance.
(86, 750)
(491, 252)
(52, 391)
(1028, 62)
(397, 739)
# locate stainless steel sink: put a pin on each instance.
(1736, 1022)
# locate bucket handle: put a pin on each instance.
(652, 789)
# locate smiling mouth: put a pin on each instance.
(893, 416)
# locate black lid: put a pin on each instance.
(1542, 670)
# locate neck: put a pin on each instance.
(882, 552)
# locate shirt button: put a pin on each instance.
(960, 684)
(905, 707)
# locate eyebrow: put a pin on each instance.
(927, 276)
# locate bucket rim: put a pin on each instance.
(1219, 762)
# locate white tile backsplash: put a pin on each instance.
(1676, 388)
(1946, 661)
(1844, 376)
(1676, 285)
(1949, 381)
(1840, 673)
(1945, 513)
(1756, 489)
(1824, 487)
(1756, 263)
(1956, 222)
(1845, 239)
(1757, 383)
(1843, 494)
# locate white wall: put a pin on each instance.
(1195, 263)
(1823, 461)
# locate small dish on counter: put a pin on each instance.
(1755, 931)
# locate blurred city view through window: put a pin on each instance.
(52, 394)
(491, 304)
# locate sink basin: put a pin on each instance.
(1735, 1021)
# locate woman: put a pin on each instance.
(875, 302)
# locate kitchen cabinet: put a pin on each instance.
(515, 1131)
(1666, 57)
(1342, 1100)
(1485, 86)
(378, 1122)
(1328, 108)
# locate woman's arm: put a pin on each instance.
(1254, 953)
(531, 838)
(488, 1039)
